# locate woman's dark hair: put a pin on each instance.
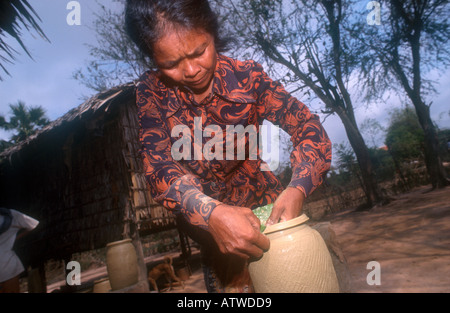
(146, 20)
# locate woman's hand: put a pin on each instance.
(236, 231)
(288, 205)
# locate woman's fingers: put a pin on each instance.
(288, 205)
(237, 231)
(275, 215)
(263, 242)
(255, 248)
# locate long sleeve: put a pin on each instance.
(170, 183)
(22, 221)
(311, 157)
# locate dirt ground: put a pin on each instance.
(409, 238)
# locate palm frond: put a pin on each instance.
(14, 16)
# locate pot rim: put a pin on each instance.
(118, 242)
(287, 224)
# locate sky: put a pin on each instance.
(47, 80)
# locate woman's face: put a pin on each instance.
(187, 57)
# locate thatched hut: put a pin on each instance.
(82, 178)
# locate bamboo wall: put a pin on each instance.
(150, 216)
(83, 180)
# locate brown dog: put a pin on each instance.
(165, 269)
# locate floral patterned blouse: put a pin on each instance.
(242, 94)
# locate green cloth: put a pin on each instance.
(263, 213)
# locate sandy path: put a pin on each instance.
(409, 238)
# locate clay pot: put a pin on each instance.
(298, 261)
(121, 264)
(101, 286)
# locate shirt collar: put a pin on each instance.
(226, 85)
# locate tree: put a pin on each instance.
(307, 40)
(24, 121)
(346, 162)
(405, 140)
(372, 129)
(404, 136)
(116, 59)
(412, 40)
(444, 142)
(383, 164)
(15, 14)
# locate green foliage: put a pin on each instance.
(24, 122)
(444, 146)
(405, 137)
(348, 172)
(348, 175)
(383, 164)
(346, 159)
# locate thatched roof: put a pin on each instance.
(99, 103)
(81, 176)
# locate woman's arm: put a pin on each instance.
(170, 183)
(311, 157)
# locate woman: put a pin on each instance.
(197, 90)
